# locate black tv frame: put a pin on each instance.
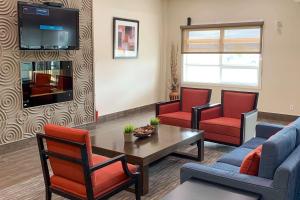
(21, 3)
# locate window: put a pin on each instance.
(227, 54)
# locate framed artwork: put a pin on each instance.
(125, 38)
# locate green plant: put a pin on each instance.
(129, 129)
(154, 121)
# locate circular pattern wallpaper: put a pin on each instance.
(17, 123)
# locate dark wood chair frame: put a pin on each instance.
(243, 115)
(194, 109)
(135, 178)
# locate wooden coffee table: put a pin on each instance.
(143, 152)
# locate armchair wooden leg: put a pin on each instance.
(48, 194)
(138, 187)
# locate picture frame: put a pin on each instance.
(125, 38)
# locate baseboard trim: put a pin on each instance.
(125, 113)
(17, 146)
(277, 117)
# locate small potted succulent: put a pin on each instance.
(154, 122)
(128, 133)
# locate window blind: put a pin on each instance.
(233, 38)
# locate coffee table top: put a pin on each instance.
(167, 138)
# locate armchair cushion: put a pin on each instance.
(223, 126)
(182, 119)
(236, 103)
(106, 179)
(250, 164)
(211, 113)
(193, 97)
(64, 168)
(169, 108)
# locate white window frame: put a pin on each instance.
(228, 85)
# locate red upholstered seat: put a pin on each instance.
(222, 129)
(222, 125)
(106, 179)
(181, 119)
(69, 177)
(40, 90)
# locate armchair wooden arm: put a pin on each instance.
(195, 119)
(122, 158)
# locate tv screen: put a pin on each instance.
(46, 82)
(43, 27)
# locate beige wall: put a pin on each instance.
(127, 83)
(281, 53)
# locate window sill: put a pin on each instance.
(195, 84)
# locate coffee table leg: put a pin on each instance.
(200, 146)
(145, 179)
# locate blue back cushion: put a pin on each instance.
(275, 150)
(297, 125)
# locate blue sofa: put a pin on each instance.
(279, 170)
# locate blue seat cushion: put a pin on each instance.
(254, 143)
(275, 150)
(226, 167)
(235, 157)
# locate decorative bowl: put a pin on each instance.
(144, 132)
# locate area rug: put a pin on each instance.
(164, 177)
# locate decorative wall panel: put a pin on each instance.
(17, 123)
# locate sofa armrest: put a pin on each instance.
(287, 176)
(249, 121)
(266, 130)
(167, 107)
(230, 179)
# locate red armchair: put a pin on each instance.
(182, 112)
(233, 121)
(79, 174)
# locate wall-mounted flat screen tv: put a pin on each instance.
(43, 27)
(46, 82)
